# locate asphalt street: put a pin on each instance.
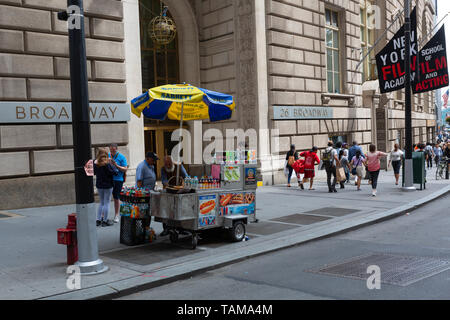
(423, 234)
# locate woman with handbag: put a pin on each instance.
(291, 157)
(357, 165)
(105, 172)
(344, 164)
(373, 165)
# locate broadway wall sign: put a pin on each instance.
(391, 59)
(433, 71)
(294, 112)
(55, 112)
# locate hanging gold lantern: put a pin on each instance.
(162, 29)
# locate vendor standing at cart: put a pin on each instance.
(145, 172)
(167, 173)
(170, 170)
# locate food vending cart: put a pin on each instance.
(229, 206)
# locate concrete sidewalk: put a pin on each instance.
(32, 264)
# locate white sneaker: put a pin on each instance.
(116, 219)
(374, 193)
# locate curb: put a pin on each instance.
(179, 272)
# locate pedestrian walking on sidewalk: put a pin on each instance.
(438, 153)
(330, 161)
(447, 155)
(373, 165)
(120, 162)
(352, 153)
(357, 165)
(429, 155)
(311, 159)
(105, 172)
(346, 154)
(291, 157)
(299, 169)
(344, 163)
(396, 160)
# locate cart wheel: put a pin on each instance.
(194, 241)
(173, 236)
(237, 233)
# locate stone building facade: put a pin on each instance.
(271, 55)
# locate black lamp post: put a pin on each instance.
(409, 177)
(88, 259)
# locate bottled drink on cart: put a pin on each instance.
(195, 182)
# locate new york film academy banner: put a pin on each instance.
(433, 71)
(391, 59)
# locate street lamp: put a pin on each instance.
(88, 259)
(409, 176)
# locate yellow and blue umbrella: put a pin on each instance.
(183, 102)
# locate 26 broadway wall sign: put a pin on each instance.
(54, 112)
(433, 71)
(391, 59)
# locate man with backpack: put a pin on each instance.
(330, 161)
(429, 155)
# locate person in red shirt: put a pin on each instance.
(311, 159)
(299, 168)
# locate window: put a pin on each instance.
(332, 47)
(159, 63)
(341, 139)
(367, 40)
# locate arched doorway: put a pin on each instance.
(160, 66)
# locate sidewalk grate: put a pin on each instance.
(8, 215)
(333, 211)
(395, 269)
(149, 254)
(302, 219)
(267, 228)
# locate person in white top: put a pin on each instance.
(396, 160)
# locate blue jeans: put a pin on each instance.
(290, 174)
(105, 200)
(347, 173)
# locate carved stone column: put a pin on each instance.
(245, 59)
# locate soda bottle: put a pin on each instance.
(188, 182)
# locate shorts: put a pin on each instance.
(359, 171)
(309, 173)
(116, 189)
(396, 166)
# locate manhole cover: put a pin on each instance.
(395, 269)
(332, 211)
(267, 228)
(303, 219)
